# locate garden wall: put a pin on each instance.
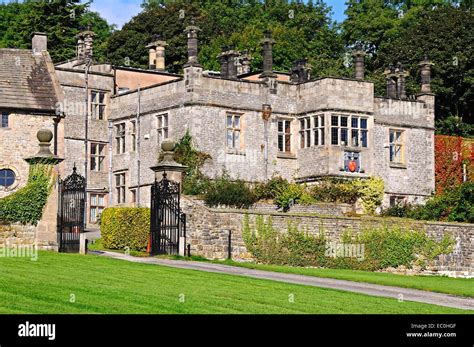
(208, 232)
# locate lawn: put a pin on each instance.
(66, 283)
(440, 284)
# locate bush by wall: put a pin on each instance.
(382, 247)
(123, 227)
(224, 191)
(26, 205)
(454, 205)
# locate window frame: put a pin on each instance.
(305, 132)
(284, 135)
(319, 127)
(133, 135)
(98, 208)
(120, 129)
(162, 127)
(394, 144)
(233, 130)
(120, 187)
(6, 178)
(97, 108)
(95, 158)
(343, 129)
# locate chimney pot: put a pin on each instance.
(268, 43)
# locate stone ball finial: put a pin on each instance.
(168, 145)
(44, 135)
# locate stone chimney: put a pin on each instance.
(391, 82)
(192, 32)
(268, 43)
(224, 60)
(401, 77)
(232, 63)
(425, 70)
(359, 58)
(157, 55)
(39, 42)
(244, 66)
(85, 41)
(300, 71)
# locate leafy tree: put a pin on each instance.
(301, 31)
(60, 19)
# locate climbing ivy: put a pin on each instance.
(26, 205)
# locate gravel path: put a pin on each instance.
(356, 287)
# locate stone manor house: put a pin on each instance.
(254, 124)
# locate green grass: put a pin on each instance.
(104, 285)
(440, 284)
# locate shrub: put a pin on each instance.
(123, 227)
(371, 192)
(270, 189)
(229, 193)
(286, 196)
(335, 190)
(454, 205)
(383, 247)
(26, 205)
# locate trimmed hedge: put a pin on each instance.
(123, 227)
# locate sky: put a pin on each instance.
(120, 12)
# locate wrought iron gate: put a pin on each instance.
(71, 219)
(168, 222)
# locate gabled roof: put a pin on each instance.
(28, 81)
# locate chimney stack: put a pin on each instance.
(391, 82)
(244, 66)
(359, 57)
(157, 55)
(268, 43)
(85, 40)
(300, 71)
(192, 32)
(401, 76)
(39, 42)
(425, 70)
(232, 63)
(224, 60)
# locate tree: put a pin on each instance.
(60, 19)
(301, 31)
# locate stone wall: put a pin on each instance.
(208, 231)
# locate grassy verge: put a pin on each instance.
(69, 283)
(440, 284)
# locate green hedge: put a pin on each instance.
(383, 247)
(123, 227)
(223, 191)
(26, 205)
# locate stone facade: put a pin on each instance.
(208, 232)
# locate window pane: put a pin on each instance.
(229, 121)
(230, 139)
(334, 136)
(237, 139)
(101, 200)
(287, 143)
(237, 122)
(343, 121)
(5, 120)
(355, 138)
(93, 200)
(102, 98)
(363, 123)
(344, 136)
(165, 120)
(322, 136)
(321, 121)
(280, 143)
(391, 136)
(302, 124)
(316, 137)
(287, 127)
(355, 122)
(280, 126)
(335, 120)
(364, 138)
